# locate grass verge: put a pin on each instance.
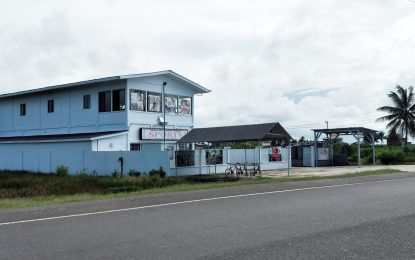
(171, 186)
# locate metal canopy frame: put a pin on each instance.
(356, 132)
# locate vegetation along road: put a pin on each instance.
(362, 217)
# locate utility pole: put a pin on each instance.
(327, 124)
(164, 116)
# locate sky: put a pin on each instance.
(296, 62)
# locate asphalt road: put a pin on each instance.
(361, 218)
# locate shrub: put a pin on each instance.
(134, 173)
(391, 157)
(62, 170)
(160, 172)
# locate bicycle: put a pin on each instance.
(234, 169)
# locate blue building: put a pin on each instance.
(88, 125)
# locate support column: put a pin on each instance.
(358, 148)
(373, 149)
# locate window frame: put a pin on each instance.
(87, 101)
(51, 106)
(148, 103)
(176, 109)
(144, 93)
(120, 98)
(135, 147)
(23, 109)
(191, 106)
(104, 94)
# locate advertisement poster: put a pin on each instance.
(137, 100)
(170, 104)
(153, 102)
(185, 106)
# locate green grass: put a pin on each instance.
(29, 190)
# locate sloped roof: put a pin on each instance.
(60, 137)
(198, 89)
(263, 132)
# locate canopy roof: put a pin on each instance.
(263, 132)
(346, 130)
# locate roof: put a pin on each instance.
(346, 130)
(196, 87)
(60, 137)
(269, 131)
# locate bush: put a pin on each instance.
(62, 170)
(392, 157)
(160, 173)
(134, 173)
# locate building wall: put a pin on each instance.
(78, 157)
(139, 119)
(68, 116)
(115, 143)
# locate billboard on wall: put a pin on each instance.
(158, 134)
(137, 100)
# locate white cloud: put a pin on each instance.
(252, 54)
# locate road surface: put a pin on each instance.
(364, 217)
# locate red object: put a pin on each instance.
(275, 155)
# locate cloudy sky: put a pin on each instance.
(298, 62)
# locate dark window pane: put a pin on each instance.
(105, 101)
(135, 147)
(51, 106)
(87, 101)
(118, 100)
(22, 109)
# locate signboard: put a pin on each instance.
(158, 134)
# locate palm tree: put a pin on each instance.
(381, 136)
(401, 116)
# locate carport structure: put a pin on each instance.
(239, 133)
(356, 132)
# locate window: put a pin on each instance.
(170, 104)
(118, 100)
(185, 105)
(153, 102)
(22, 109)
(87, 101)
(137, 100)
(135, 147)
(51, 106)
(104, 101)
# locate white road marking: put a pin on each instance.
(197, 200)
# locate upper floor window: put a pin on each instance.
(22, 109)
(104, 101)
(118, 100)
(170, 104)
(87, 101)
(185, 105)
(137, 100)
(153, 102)
(51, 106)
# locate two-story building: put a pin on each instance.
(43, 128)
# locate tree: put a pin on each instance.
(381, 136)
(400, 116)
